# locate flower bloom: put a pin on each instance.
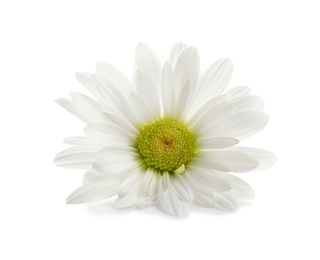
(169, 138)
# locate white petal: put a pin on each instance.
(141, 109)
(148, 62)
(182, 100)
(205, 180)
(181, 187)
(265, 158)
(217, 143)
(175, 53)
(115, 76)
(85, 194)
(119, 100)
(187, 69)
(77, 157)
(115, 161)
(168, 90)
(225, 201)
(210, 117)
(247, 103)
(220, 201)
(239, 126)
(169, 200)
(131, 200)
(96, 87)
(110, 135)
(146, 90)
(121, 123)
(205, 108)
(132, 182)
(94, 178)
(240, 189)
(237, 92)
(150, 184)
(213, 81)
(232, 161)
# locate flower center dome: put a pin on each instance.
(165, 145)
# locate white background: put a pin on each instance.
(275, 49)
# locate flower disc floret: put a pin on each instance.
(165, 145)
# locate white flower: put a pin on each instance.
(168, 138)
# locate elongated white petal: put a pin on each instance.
(147, 91)
(220, 201)
(181, 187)
(119, 100)
(85, 194)
(180, 107)
(217, 143)
(203, 179)
(148, 62)
(210, 117)
(110, 135)
(150, 184)
(168, 90)
(187, 69)
(120, 123)
(133, 199)
(175, 53)
(169, 200)
(213, 81)
(265, 158)
(115, 76)
(141, 109)
(94, 178)
(247, 103)
(224, 201)
(232, 161)
(240, 189)
(195, 116)
(115, 161)
(132, 182)
(239, 126)
(237, 92)
(77, 157)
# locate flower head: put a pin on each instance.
(169, 138)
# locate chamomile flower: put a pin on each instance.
(169, 138)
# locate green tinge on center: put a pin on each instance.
(165, 145)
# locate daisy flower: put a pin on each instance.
(170, 138)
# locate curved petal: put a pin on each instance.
(187, 69)
(265, 158)
(240, 189)
(220, 201)
(247, 103)
(115, 76)
(181, 187)
(237, 92)
(108, 134)
(85, 194)
(205, 180)
(146, 90)
(94, 178)
(217, 143)
(169, 200)
(206, 120)
(224, 160)
(168, 90)
(115, 161)
(239, 126)
(213, 81)
(175, 53)
(77, 157)
(132, 182)
(148, 62)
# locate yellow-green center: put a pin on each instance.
(165, 145)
